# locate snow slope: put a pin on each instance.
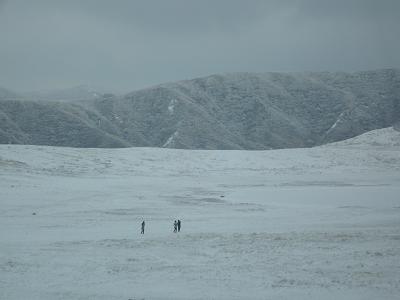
(384, 138)
(315, 223)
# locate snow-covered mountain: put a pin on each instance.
(230, 111)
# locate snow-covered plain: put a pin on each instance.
(319, 223)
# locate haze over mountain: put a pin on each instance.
(6, 94)
(230, 111)
(76, 93)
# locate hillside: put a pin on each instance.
(57, 124)
(230, 111)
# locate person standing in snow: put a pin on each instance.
(175, 226)
(179, 225)
(142, 232)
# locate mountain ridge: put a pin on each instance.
(229, 111)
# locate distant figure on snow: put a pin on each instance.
(175, 226)
(179, 225)
(142, 232)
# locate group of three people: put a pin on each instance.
(177, 226)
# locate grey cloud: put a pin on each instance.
(125, 45)
(367, 10)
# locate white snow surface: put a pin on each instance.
(171, 105)
(339, 119)
(317, 223)
(170, 140)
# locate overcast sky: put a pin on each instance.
(123, 45)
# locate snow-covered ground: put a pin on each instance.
(320, 223)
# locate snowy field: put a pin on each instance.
(320, 223)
